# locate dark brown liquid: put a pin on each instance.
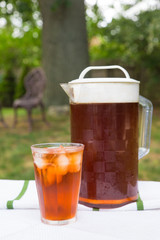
(109, 132)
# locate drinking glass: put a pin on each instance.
(57, 168)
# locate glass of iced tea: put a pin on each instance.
(57, 168)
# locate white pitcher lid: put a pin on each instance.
(104, 80)
(102, 90)
(82, 80)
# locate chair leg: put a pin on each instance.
(30, 122)
(43, 113)
(2, 119)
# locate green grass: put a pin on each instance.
(149, 166)
(15, 155)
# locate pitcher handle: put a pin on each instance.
(145, 126)
(83, 73)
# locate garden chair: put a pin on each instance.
(34, 82)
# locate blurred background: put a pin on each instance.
(64, 37)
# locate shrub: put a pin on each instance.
(7, 89)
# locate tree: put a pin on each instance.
(64, 44)
(64, 40)
(132, 43)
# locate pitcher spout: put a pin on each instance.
(66, 88)
(69, 91)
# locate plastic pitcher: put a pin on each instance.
(114, 123)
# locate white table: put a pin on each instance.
(127, 225)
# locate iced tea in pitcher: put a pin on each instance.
(58, 175)
(109, 132)
(104, 117)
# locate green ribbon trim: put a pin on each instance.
(140, 205)
(24, 188)
(95, 209)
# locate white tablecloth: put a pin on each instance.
(132, 225)
(126, 223)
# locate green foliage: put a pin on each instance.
(21, 9)
(131, 43)
(16, 54)
(20, 45)
(93, 23)
(7, 88)
(139, 38)
(18, 51)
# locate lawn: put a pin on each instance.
(15, 155)
(149, 166)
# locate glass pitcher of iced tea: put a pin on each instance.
(114, 123)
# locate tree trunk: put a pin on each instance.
(65, 47)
